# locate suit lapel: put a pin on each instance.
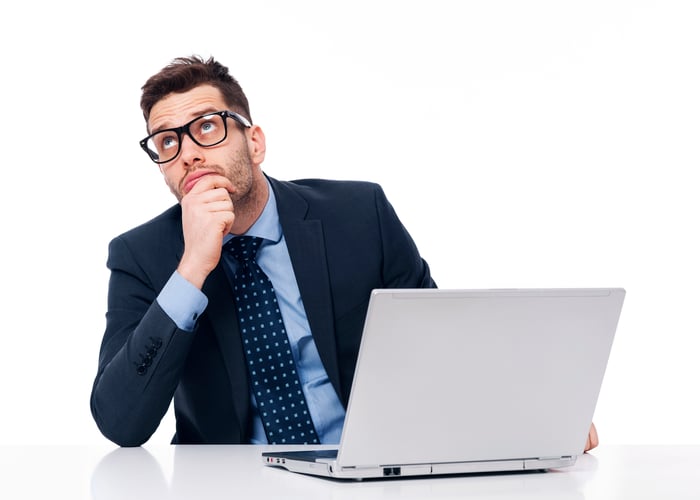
(225, 325)
(308, 254)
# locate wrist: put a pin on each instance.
(193, 273)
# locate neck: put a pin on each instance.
(249, 208)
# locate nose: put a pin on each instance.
(190, 153)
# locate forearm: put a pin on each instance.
(137, 376)
(143, 350)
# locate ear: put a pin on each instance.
(256, 144)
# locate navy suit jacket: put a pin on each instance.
(344, 240)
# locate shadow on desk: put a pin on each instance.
(214, 471)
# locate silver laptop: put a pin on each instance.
(464, 381)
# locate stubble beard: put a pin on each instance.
(238, 169)
(240, 173)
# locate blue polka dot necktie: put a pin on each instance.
(281, 402)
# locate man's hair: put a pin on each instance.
(185, 73)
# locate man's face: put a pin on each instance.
(230, 158)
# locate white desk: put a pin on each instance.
(236, 472)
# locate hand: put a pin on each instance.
(592, 440)
(207, 216)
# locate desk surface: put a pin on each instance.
(226, 472)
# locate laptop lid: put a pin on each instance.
(474, 380)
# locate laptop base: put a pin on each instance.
(323, 463)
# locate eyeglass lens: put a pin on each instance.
(206, 130)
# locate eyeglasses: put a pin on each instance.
(206, 131)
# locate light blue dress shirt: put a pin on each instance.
(184, 303)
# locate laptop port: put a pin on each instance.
(392, 471)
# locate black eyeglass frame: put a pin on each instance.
(242, 120)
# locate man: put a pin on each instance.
(182, 285)
(172, 320)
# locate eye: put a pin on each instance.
(166, 141)
(207, 126)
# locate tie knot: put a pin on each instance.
(243, 248)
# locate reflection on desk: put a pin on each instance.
(224, 472)
(213, 472)
(227, 472)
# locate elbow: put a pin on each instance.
(115, 427)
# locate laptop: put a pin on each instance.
(470, 381)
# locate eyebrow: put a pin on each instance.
(198, 114)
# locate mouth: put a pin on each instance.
(191, 180)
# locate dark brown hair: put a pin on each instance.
(185, 73)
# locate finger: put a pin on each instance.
(203, 201)
(592, 439)
(208, 182)
(215, 206)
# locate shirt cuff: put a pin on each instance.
(182, 302)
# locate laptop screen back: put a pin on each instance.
(457, 375)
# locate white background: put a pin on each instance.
(539, 143)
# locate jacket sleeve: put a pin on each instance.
(141, 356)
(402, 266)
